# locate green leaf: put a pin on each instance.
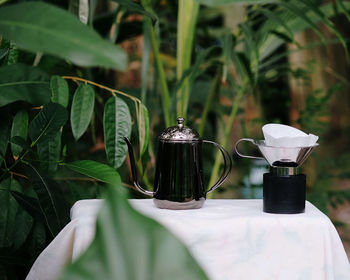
(96, 170)
(137, 8)
(5, 131)
(25, 83)
(12, 56)
(146, 50)
(37, 242)
(23, 225)
(3, 53)
(20, 129)
(47, 123)
(41, 27)
(129, 245)
(59, 90)
(8, 210)
(301, 16)
(143, 126)
(49, 153)
(82, 108)
(30, 204)
(52, 203)
(186, 26)
(19, 141)
(116, 123)
(230, 2)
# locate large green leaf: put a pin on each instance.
(49, 153)
(129, 245)
(52, 203)
(95, 170)
(116, 124)
(82, 108)
(60, 91)
(23, 82)
(47, 123)
(41, 27)
(19, 128)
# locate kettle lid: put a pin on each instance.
(179, 133)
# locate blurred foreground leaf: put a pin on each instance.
(129, 245)
(41, 27)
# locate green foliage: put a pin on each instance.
(116, 123)
(129, 245)
(82, 108)
(190, 59)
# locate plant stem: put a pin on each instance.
(145, 58)
(214, 89)
(163, 82)
(144, 176)
(228, 127)
(186, 23)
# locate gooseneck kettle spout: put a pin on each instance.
(133, 169)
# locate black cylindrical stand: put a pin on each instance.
(284, 194)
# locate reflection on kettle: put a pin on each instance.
(179, 173)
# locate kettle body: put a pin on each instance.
(178, 182)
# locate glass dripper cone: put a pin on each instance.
(279, 156)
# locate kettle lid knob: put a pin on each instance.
(180, 122)
(179, 133)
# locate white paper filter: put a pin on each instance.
(280, 135)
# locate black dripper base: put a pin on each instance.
(284, 194)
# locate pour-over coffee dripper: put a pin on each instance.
(284, 187)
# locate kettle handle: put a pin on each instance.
(226, 171)
(242, 155)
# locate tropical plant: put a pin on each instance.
(58, 117)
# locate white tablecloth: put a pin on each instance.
(231, 239)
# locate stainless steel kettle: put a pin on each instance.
(179, 173)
